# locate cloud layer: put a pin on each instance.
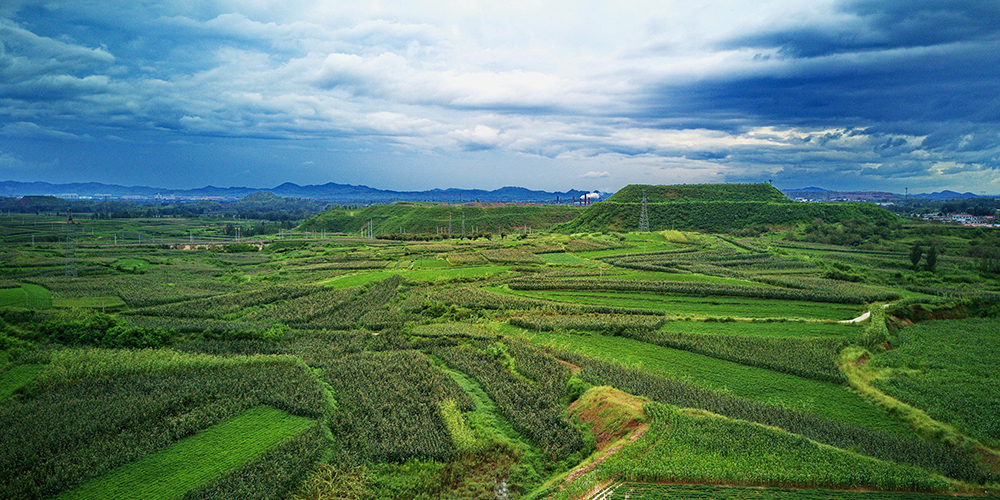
(847, 94)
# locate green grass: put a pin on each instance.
(697, 446)
(819, 398)
(486, 418)
(17, 377)
(640, 246)
(27, 296)
(131, 264)
(195, 460)
(787, 329)
(12, 296)
(688, 277)
(566, 259)
(424, 275)
(680, 305)
(429, 263)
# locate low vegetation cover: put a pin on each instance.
(130, 407)
(195, 460)
(714, 208)
(806, 357)
(942, 366)
(437, 221)
(420, 364)
(647, 491)
(693, 447)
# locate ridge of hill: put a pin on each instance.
(713, 208)
(425, 218)
(678, 193)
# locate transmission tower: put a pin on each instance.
(71, 270)
(644, 215)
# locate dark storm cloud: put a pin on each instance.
(873, 90)
(878, 25)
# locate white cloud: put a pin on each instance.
(639, 87)
(32, 130)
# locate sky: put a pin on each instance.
(850, 95)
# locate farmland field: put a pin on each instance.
(941, 366)
(17, 377)
(762, 329)
(196, 460)
(410, 363)
(646, 491)
(758, 384)
(681, 306)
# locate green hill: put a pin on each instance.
(699, 192)
(713, 208)
(417, 218)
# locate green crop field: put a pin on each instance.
(89, 302)
(424, 275)
(941, 366)
(681, 306)
(758, 384)
(27, 296)
(763, 329)
(694, 447)
(294, 355)
(646, 491)
(195, 460)
(566, 259)
(17, 377)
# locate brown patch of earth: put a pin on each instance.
(573, 368)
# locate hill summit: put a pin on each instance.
(699, 192)
(713, 208)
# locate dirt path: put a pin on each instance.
(859, 319)
(863, 317)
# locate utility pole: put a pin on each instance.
(644, 215)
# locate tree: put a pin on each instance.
(931, 260)
(915, 253)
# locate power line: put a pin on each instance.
(644, 215)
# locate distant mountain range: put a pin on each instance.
(337, 193)
(821, 194)
(351, 194)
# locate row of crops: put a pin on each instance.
(409, 357)
(78, 425)
(814, 358)
(684, 446)
(532, 405)
(881, 445)
(647, 491)
(845, 296)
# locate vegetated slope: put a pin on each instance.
(679, 193)
(431, 219)
(713, 208)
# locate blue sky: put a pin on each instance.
(872, 94)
